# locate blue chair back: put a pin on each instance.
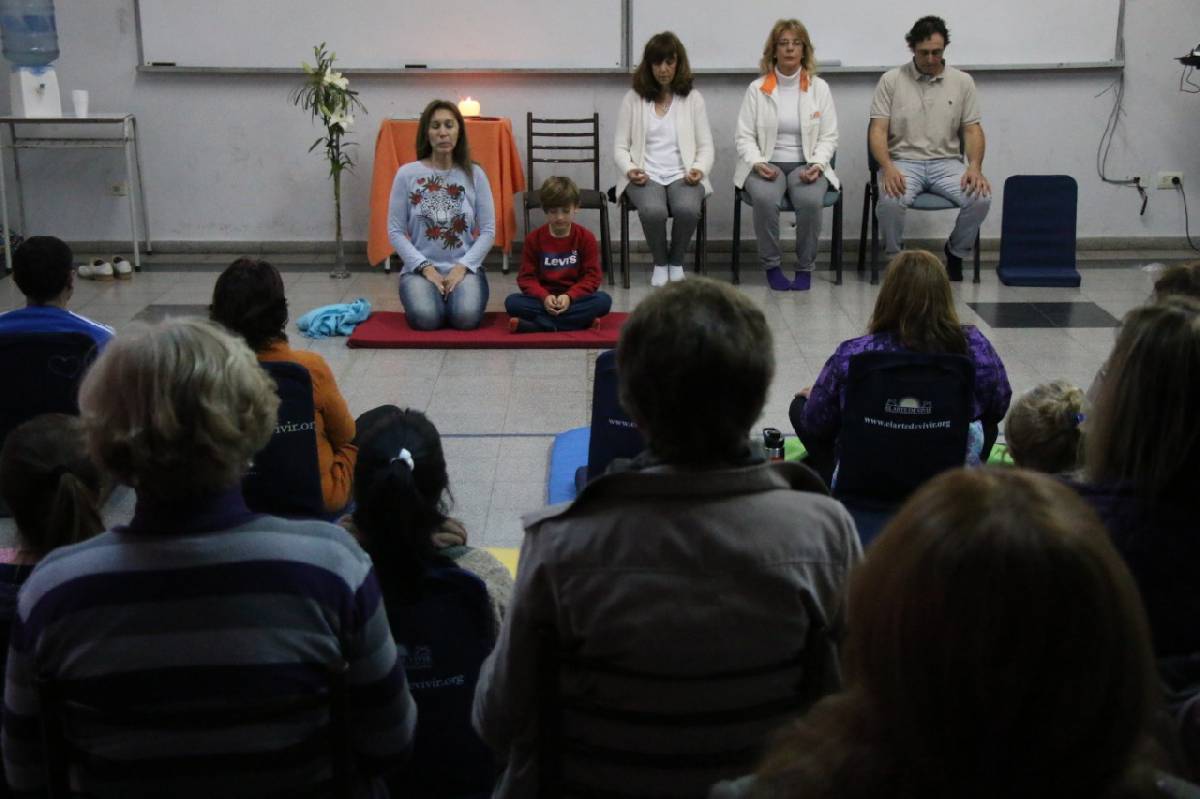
(43, 372)
(285, 479)
(446, 632)
(614, 435)
(1037, 232)
(905, 419)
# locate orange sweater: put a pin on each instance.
(336, 456)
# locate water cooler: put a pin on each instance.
(30, 38)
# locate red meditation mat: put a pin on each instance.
(389, 330)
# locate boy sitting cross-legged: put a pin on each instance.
(560, 269)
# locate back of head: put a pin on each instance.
(1180, 280)
(916, 305)
(42, 268)
(1042, 428)
(997, 648)
(1144, 431)
(249, 300)
(177, 409)
(50, 483)
(558, 192)
(400, 485)
(694, 363)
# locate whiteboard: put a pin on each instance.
(867, 33)
(382, 34)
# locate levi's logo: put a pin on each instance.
(559, 261)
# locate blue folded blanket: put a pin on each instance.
(338, 319)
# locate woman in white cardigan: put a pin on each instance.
(664, 151)
(786, 139)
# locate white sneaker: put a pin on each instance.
(675, 273)
(122, 268)
(96, 270)
(659, 278)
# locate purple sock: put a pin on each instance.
(777, 281)
(803, 281)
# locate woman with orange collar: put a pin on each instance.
(786, 139)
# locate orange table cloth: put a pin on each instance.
(492, 147)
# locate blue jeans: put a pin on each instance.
(579, 316)
(427, 309)
(940, 176)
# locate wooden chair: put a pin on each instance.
(544, 145)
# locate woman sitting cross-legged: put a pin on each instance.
(914, 312)
(445, 617)
(442, 223)
(996, 648)
(249, 300)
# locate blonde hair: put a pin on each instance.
(177, 409)
(808, 62)
(1042, 428)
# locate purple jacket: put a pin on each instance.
(823, 413)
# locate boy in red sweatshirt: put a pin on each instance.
(560, 269)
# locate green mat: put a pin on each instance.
(793, 450)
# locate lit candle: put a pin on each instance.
(468, 107)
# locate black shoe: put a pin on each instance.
(953, 264)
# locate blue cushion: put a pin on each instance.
(1037, 231)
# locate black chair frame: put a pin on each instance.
(559, 153)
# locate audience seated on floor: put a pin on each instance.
(44, 271)
(442, 616)
(997, 648)
(198, 607)
(1043, 428)
(1141, 465)
(697, 558)
(249, 300)
(914, 312)
(1178, 280)
(54, 492)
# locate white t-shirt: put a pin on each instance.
(789, 143)
(664, 164)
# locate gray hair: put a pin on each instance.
(178, 408)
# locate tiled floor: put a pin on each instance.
(499, 409)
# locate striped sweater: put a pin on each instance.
(207, 603)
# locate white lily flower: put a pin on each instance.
(340, 120)
(335, 79)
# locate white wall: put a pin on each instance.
(225, 156)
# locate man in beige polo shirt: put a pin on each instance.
(924, 118)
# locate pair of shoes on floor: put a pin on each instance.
(103, 270)
(778, 282)
(662, 275)
(953, 264)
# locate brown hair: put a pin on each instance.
(1178, 280)
(1144, 431)
(462, 150)
(808, 61)
(997, 647)
(51, 485)
(916, 305)
(694, 363)
(1042, 428)
(558, 192)
(658, 49)
(249, 300)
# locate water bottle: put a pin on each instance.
(773, 443)
(29, 32)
